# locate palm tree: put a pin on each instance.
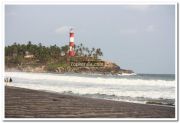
(15, 49)
(81, 45)
(80, 50)
(89, 53)
(83, 50)
(98, 52)
(65, 48)
(92, 52)
(77, 52)
(40, 45)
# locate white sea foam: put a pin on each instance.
(91, 85)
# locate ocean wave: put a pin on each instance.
(121, 89)
(92, 80)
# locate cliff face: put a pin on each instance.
(108, 68)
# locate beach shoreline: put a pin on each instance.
(27, 103)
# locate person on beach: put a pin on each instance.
(6, 80)
(10, 80)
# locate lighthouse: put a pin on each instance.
(71, 43)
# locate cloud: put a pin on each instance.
(63, 29)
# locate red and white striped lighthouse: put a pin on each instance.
(71, 43)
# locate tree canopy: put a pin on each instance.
(45, 54)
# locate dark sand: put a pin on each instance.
(25, 103)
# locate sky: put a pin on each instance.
(136, 37)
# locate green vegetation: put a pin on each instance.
(52, 56)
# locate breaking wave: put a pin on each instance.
(114, 88)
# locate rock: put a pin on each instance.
(108, 67)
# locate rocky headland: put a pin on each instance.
(108, 68)
(38, 58)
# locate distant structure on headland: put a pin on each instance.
(71, 43)
(28, 55)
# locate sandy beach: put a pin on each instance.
(26, 103)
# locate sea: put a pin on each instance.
(156, 89)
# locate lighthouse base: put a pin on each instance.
(71, 53)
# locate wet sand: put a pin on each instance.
(26, 103)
